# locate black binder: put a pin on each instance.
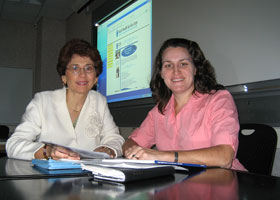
(137, 174)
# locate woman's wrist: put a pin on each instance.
(109, 151)
(46, 152)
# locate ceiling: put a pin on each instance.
(30, 11)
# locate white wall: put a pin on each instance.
(240, 38)
(13, 89)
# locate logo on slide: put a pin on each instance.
(129, 50)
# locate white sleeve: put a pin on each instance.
(110, 135)
(22, 145)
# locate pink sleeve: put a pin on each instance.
(223, 120)
(145, 135)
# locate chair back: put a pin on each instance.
(4, 132)
(257, 149)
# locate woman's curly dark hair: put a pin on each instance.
(81, 48)
(204, 80)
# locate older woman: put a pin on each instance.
(195, 119)
(74, 116)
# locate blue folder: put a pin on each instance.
(55, 164)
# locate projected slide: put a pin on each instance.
(126, 53)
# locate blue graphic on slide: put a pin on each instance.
(124, 43)
(129, 50)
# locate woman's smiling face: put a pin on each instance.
(178, 70)
(84, 80)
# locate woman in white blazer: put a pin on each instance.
(74, 116)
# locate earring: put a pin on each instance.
(64, 84)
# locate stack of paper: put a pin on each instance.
(140, 164)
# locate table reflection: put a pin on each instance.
(209, 185)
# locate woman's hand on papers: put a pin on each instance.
(58, 152)
(55, 152)
(132, 150)
(139, 153)
(107, 150)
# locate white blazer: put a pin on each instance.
(47, 119)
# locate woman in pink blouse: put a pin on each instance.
(195, 119)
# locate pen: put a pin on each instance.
(179, 164)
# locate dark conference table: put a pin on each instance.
(19, 180)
